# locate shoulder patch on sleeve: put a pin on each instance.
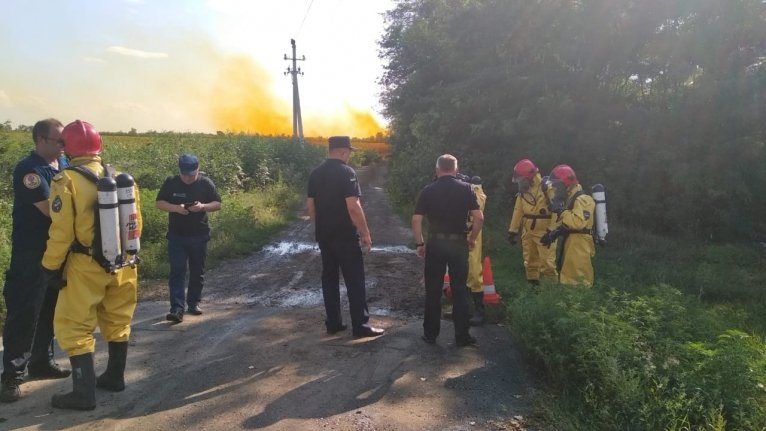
(56, 204)
(32, 181)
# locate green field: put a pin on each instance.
(261, 181)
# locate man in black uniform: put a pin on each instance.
(28, 332)
(188, 197)
(446, 203)
(342, 233)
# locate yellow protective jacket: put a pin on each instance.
(475, 282)
(531, 210)
(531, 219)
(578, 218)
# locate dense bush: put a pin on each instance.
(661, 101)
(658, 360)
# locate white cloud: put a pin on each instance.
(94, 60)
(136, 52)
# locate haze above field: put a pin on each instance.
(193, 66)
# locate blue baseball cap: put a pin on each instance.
(188, 164)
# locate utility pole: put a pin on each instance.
(295, 71)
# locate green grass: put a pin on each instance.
(671, 337)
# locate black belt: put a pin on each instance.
(76, 247)
(535, 218)
(446, 236)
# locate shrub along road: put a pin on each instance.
(259, 358)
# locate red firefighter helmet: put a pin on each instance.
(80, 139)
(524, 168)
(565, 174)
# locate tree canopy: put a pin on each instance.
(662, 101)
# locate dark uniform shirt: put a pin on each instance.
(329, 185)
(31, 183)
(446, 203)
(176, 192)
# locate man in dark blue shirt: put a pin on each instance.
(188, 197)
(29, 299)
(446, 204)
(342, 233)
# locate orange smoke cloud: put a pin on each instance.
(242, 101)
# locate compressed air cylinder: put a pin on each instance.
(109, 219)
(599, 195)
(126, 197)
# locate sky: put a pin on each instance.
(193, 65)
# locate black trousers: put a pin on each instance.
(440, 255)
(28, 331)
(343, 255)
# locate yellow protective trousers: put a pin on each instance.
(475, 279)
(539, 260)
(577, 267)
(531, 219)
(93, 296)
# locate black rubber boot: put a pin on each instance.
(83, 395)
(113, 378)
(478, 313)
(9, 391)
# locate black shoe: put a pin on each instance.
(10, 392)
(331, 330)
(175, 316)
(428, 339)
(367, 331)
(47, 370)
(465, 341)
(195, 310)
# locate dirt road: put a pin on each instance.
(259, 358)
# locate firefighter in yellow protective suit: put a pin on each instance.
(531, 218)
(573, 227)
(92, 295)
(475, 282)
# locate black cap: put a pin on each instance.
(340, 142)
(188, 164)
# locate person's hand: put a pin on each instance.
(513, 238)
(195, 207)
(53, 278)
(551, 235)
(556, 207)
(547, 238)
(471, 243)
(421, 250)
(181, 209)
(365, 242)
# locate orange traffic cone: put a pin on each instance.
(447, 288)
(490, 296)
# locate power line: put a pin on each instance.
(304, 18)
